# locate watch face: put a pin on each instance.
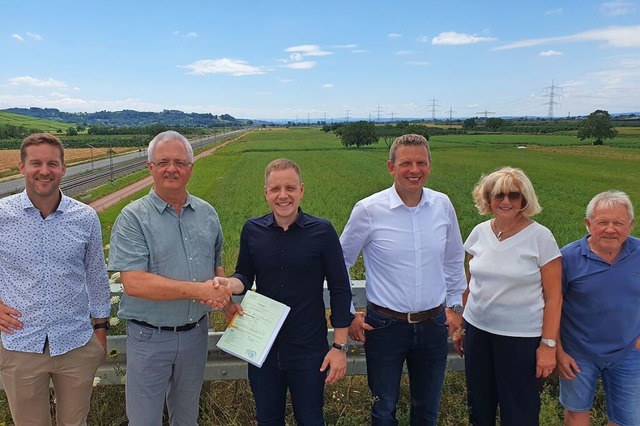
(342, 348)
(456, 308)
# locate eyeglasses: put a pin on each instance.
(163, 164)
(513, 196)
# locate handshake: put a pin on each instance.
(217, 294)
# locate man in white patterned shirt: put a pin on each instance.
(53, 286)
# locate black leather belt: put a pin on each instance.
(410, 317)
(177, 328)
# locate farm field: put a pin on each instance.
(9, 158)
(565, 175)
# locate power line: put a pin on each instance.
(434, 103)
(551, 93)
(485, 113)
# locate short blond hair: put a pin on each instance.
(505, 180)
(281, 164)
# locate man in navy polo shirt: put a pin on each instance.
(600, 325)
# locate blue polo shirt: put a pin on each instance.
(601, 305)
(291, 267)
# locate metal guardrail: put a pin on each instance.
(222, 366)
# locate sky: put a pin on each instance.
(332, 61)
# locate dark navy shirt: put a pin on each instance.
(291, 267)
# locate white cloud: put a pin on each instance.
(328, 85)
(192, 35)
(233, 67)
(308, 50)
(557, 11)
(359, 51)
(404, 52)
(394, 35)
(345, 46)
(612, 36)
(302, 65)
(34, 36)
(452, 38)
(35, 82)
(17, 37)
(423, 39)
(296, 57)
(617, 8)
(550, 53)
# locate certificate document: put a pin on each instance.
(250, 336)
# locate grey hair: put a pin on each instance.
(169, 135)
(410, 139)
(610, 199)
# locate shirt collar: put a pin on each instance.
(299, 221)
(395, 200)
(28, 204)
(161, 205)
(627, 247)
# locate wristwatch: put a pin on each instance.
(549, 342)
(104, 325)
(342, 348)
(457, 309)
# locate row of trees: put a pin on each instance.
(598, 126)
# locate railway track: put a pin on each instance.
(74, 184)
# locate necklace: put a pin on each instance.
(512, 229)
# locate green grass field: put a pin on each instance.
(565, 175)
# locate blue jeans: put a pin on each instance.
(501, 371)
(621, 384)
(305, 382)
(165, 365)
(424, 347)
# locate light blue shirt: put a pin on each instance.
(52, 270)
(413, 256)
(149, 235)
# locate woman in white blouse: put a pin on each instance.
(513, 304)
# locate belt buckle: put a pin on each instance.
(409, 320)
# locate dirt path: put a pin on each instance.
(115, 197)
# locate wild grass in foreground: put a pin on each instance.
(230, 403)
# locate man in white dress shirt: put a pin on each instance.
(414, 263)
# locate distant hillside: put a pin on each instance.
(130, 117)
(32, 123)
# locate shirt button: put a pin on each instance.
(191, 258)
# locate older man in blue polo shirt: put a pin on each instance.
(600, 325)
(168, 247)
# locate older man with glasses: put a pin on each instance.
(167, 246)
